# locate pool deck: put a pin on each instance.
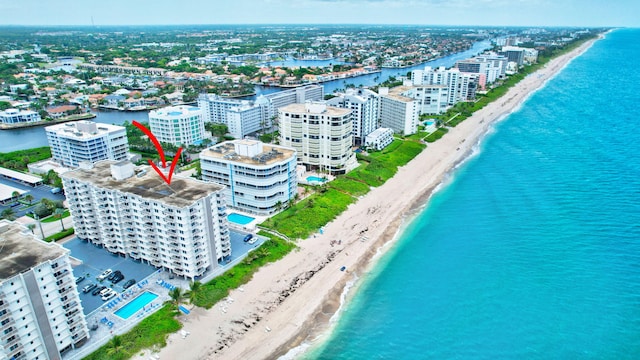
(302, 178)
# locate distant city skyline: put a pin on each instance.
(579, 13)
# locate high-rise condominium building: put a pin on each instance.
(259, 178)
(321, 134)
(40, 312)
(398, 112)
(364, 105)
(181, 227)
(78, 141)
(178, 125)
(244, 117)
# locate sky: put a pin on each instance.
(580, 13)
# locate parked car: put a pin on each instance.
(248, 237)
(104, 274)
(97, 290)
(89, 287)
(56, 190)
(79, 279)
(116, 279)
(113, 275)
(105, 291)
(252, 241)
(129, 283)
(109, 295)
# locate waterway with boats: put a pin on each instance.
(20, 139)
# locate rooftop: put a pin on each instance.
(301, 108)
(171, 111)
(83, 129)
(147, 184)
(270, 153)
(21, 251)
(396, 93)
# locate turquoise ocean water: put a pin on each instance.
(532, 249)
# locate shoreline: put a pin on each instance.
(85, 116)
(294, 299)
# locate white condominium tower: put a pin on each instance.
(321, 134)
(244, 117)
(259, 178)
(131, 211)
(78, 141)
(398, 112)
(364, 105)
(40, 312)
(177, 125)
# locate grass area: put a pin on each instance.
(310, 214)
(151, 331)
(350, 186)
(18, 160)
(60, 235)
(436, 135)
(307, 216)
(218, 288)
(52, 218)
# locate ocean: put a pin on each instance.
(531, 248)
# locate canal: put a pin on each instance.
(19, 139)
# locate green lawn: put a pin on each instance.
(151, 331)
(52, 218)
(18, 160)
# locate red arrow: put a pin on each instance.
(156, 143)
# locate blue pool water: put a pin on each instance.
(136, 304)
(315, 178)
(532, 250)
(240, 219)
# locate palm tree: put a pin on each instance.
(194, 291)
(58, 215)
(15, 195)
(115, 346)
(29, 198)
(8, 214)
(176, 295)
(31, 227)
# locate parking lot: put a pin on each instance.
(94, 260)
(38, 193)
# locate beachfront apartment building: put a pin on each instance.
(215, 107)
(461, 86)
(514, 54)
(492, 67)
(178, 125)
(15, 116)
(398, 112)
(379, 139)
(244, 117)
(40, 312)
(245, 120)
(258, 178)
(321, 135)
(364, 105)
(131, 211)
(84, 140)
(430, 99)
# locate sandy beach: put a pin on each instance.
(289, 301)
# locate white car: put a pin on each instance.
(105, 291)
(104, 274)
(109, 295)
(252, 241)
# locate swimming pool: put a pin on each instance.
(240, 219)
(136, 304)
(315, 178)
